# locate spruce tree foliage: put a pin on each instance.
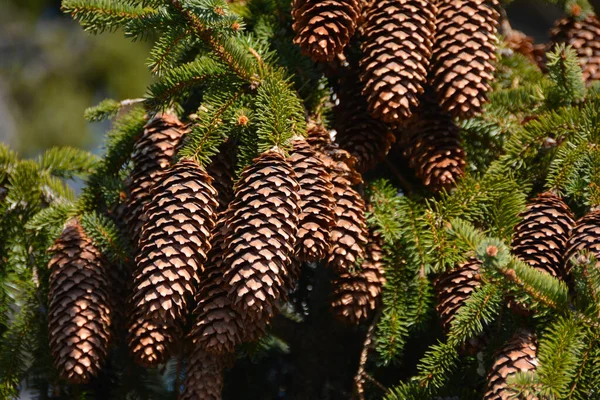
(231, 72)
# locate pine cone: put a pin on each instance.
(396, 50)
(222, 170)
(316, 202)
(152, 155)
(519, 354)
(432, 146)
(366, 138)
(453, 289)
(204, 378)
(172, 249)
(540, 239)
(585, 236)
(79, 315)
(356, 295)
(324, 27)
(263, 234)
(462, 66)
(584, 37)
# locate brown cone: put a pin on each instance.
(584, 237)
(454, 287)
(204, 378)
(462, 66)
(519, 354)
(584, 37)
(79, 315)
(316, 202)
(152, 155)
(540, 239)
(222, 170)
(432, 146)
(263, 229)
(172, 249)
(356, 295)
(324, 27)
(397, 45)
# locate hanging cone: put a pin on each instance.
(79, 315)
(454, 287)
(152, 155)
(356, 295)
(396, 50)
(367, 139)
(519, 354)
(204, 378)
(462, 65)
(222, 170)
(540, 239)
(263, 229)
(172, 249)
(584, 37)
(432, 146)
(316, 202)
(584, 237)
(324, 27)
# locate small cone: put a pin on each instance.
(397, 44)
(152, 155)
(316, 202)
(263, 228)
(79, 315)
(462, 66)
(172, 249)
(356, 295)
(584, 37)
(584, 237)
(204, 378)
(519, 354)
(324, 27)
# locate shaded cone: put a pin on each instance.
(222, 170)
(204, 378)
(584, 237)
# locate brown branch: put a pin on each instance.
(361, 374)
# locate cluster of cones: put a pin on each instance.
(225, 255)
(547, 239)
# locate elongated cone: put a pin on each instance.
(152, 155)
(584, 37)
(398, 38)
(462, 66)
(316, 202)
(540, 239)
(453, 289)
(263, 229)
(79, 315)
(324, 27)
(173, 246)
(222, 170)
(584, 237)
(204, 378)
(356, 295)
(519, 354)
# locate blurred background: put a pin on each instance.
(51, 71)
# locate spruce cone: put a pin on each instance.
(152, 155)
(519, 354)
(463, 54)
(584, 36)
(454, 287)
(366, 138)
(172, 250)
(204, 378)
(540, 239)
(324, 27)
(356, 295)
(262, 236)
(79, 315)
(222, 170)
(316, 203)
(396, 51)
(433, 147)
(584, 237)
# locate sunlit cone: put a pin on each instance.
(204, 378)
(396, 49)
(462, 66)
(172, 250)
(79, 315)
(585, 236)
(324, 27)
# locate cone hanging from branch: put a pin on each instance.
(585, 236)
(204, 378)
